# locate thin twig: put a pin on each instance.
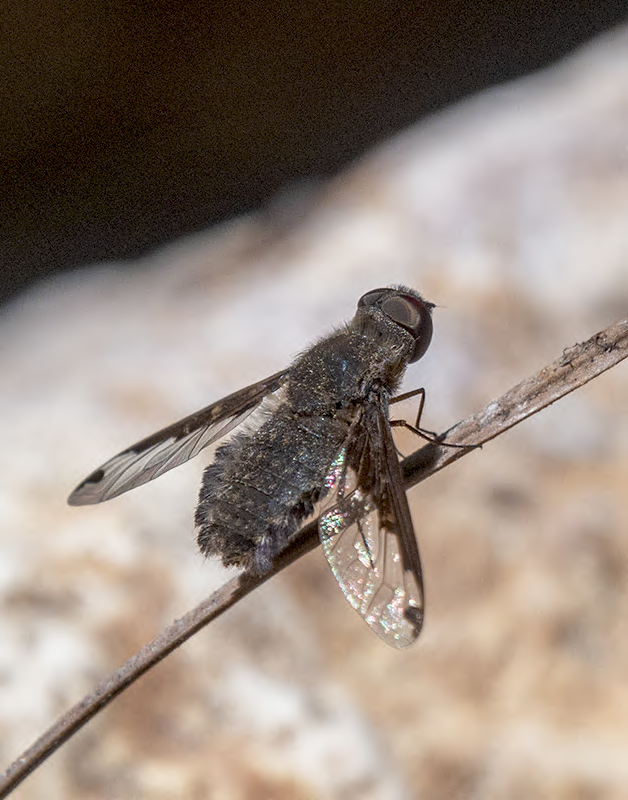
(577, 366)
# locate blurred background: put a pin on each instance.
(124, 126)
(230, 182)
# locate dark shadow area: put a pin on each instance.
(126, 125)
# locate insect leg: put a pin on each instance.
(429, 436)
(407, 395)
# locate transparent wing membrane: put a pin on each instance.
(172, 446)
(366, 557)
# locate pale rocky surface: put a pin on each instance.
(511, 211)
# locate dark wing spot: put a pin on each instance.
(414, 616)
(95, 477)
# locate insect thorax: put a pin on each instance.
(341, 370)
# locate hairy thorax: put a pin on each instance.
(341, 370)
(265, 482)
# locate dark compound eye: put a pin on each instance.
(409, 312)
(371, 298)
(414, 316)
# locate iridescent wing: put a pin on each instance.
(366, 530)
(174, 445)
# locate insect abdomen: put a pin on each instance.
(262, 485)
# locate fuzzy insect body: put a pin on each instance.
(322, 442)
(264, 483)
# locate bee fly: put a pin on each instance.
(324, 441)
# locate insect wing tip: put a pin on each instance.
(88, 491)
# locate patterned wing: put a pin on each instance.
(367, 534)
(174, 445)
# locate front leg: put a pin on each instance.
(429, 436)
(417, 425)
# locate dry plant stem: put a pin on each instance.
(577, 366)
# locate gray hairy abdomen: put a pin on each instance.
(263, 484)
